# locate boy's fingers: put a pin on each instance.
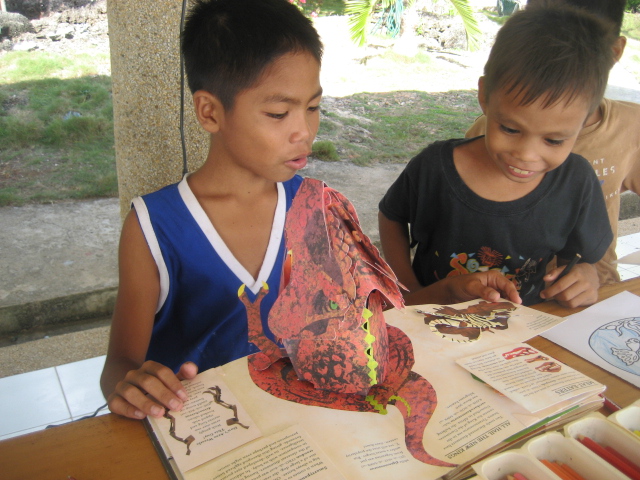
(490, 294)
(556, 287)
(120, 406)
(188, 370)
(583, 298)
(156, 380)
(553, 275)
(169, 381)
(550, 293)
(133, 395)
(571, 292)
(167, 377)
(497, 285)
(508, 289)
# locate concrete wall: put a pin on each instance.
(145, 71)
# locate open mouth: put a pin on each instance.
(298, 163)
(518, 172)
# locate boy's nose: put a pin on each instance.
(302, 131)
(526, 151)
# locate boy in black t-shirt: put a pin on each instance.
(513, 199)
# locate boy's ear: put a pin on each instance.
(209, 110)
(618, 48)
(481, 97)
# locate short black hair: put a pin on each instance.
(612, 10)
(554, 51)
(227, 44)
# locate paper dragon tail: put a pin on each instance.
(417, 400)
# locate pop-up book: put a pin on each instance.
(351, 390)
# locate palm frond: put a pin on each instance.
(359, 13)
(471, 28)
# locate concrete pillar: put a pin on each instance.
(145, 71)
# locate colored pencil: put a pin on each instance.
(564, 471)
(555, 468)
(516, 476)
(623, 459)
(569, 266)
(571, 472)
(608, 456)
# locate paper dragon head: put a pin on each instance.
(329, 314)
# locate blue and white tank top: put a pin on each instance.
(199, 317)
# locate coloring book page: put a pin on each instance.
(607, 334)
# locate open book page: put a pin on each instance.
(530, 378)
(290, 454)
(440, 417)
(211, 423)
(470, 416)
(477, 325)
(362, 445)
(606, 334)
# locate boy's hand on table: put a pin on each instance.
(489, 286)
(578, 288)
(130, 397)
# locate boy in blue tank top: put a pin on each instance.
(189, 249)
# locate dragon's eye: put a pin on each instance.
(333, 305)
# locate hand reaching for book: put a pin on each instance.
(150, 389)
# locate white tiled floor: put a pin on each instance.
(53, 396)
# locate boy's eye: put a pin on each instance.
(554, 143)
(314, 108)
(508, 130)
(277, 116)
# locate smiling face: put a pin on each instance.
(269, 131)
(524, 142)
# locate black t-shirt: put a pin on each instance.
(456, 231)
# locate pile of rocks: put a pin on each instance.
(33, 9)
(54, 25)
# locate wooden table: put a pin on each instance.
(112, 447)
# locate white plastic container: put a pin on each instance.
(606, 433)
(628, 418)
(557, 448)
(506, 463)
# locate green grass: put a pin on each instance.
(56, 140)
(394, 126)
(25, 66)
(631, 26)
(323, 8)
(326, 151)
(56, 128)
(631, 57)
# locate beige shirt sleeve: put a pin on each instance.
(478, 127)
